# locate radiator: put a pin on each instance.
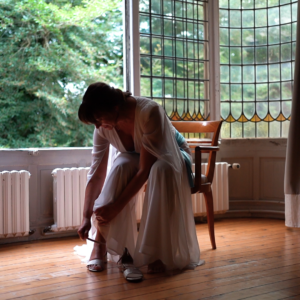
(69, 187)
(14, 204)
(68, 197)
(219, 190)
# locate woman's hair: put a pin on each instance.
(100, 98)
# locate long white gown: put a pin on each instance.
(167, 229)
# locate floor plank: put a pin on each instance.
(256, 259)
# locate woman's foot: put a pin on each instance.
(156, 267)
(98, 257)
(130, 272)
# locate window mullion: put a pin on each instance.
(131, 47)
(214, 59)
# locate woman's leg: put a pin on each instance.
(167, 237)
(98, 252)
(154, 246)
(122, 230)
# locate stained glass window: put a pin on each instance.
(174, 56)
(257, 54)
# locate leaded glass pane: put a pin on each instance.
(237, 130)
(223, 3)
(249, 130)
(285, 14)
(257, 56)
(274, 53)
(249, 110)
(248, 92)
(174, 55)
(262, 109)
(285, 128)
(223, 18)
(261, 55)
(225, 109)
(261, 18)
(235, 55)
(155, 6)
(286, 71)
(248, 3)
(248, 74)
(236, 109)
(144, 5)
(247, 18)
(261, 92)
(274, 130)
(286, 52)
(274, 72)
(273, 16)
(261, 4)
(236, 73)
(248, 55)
(261, 36)
(274, 108)
(286, 33)
(286, 90)
(286, 108)
(236, 92)
(234, 4)
(273, 35)
(262, 129)
(274, 91)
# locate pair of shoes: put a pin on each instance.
(130, 272)
(97, 265)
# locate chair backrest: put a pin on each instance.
(200, 127)
(213, 127)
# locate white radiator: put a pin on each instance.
(219, 190)
(14, 203)
(69, 187)
(68, 197)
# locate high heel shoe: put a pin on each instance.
(97, 265)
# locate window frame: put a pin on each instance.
(132, 53)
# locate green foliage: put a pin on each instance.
(50, 51)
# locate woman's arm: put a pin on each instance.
(92, 191)
(106, 213)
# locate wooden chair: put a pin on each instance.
(202, 183)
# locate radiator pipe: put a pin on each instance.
(235, 166)
(47, 229)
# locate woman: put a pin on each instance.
(145, 138)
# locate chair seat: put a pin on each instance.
(203, 178)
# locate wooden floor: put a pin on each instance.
(255, 259)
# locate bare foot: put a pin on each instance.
(156, 267)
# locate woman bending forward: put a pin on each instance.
(147, 150)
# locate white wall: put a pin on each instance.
(257, 189)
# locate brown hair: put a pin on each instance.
(99, 98)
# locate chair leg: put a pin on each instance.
(210, 217)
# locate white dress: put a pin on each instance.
(167, 229)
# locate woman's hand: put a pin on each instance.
(106, 213)
(84, 228)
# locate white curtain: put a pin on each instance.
(292, 166)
